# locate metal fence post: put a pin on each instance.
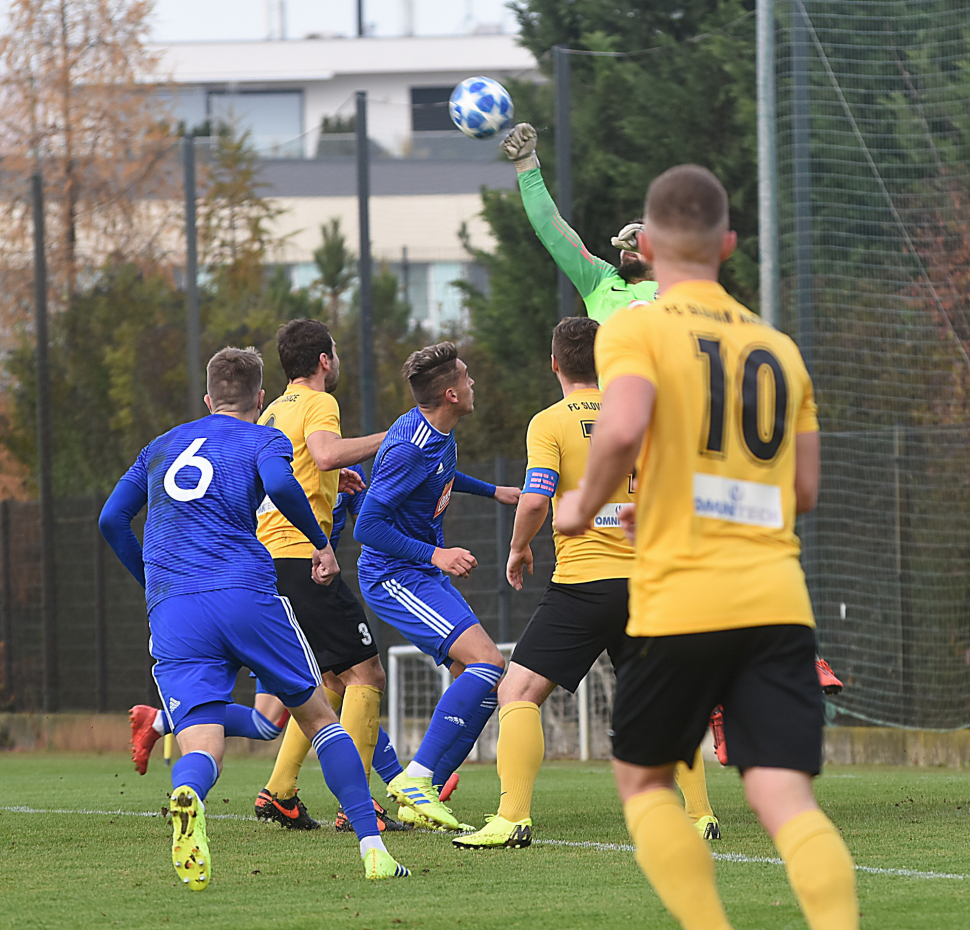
(6, 621)
(100, 623)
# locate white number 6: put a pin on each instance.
(189, 458)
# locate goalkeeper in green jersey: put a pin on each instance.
(603, 288)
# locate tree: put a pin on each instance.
(337, 267)
(670, 82)
(74, 103)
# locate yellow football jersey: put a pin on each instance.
(298, 413)
(558, 445)
(716, 547)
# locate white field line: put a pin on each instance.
(601, 847)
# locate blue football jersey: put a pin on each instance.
(203, 488)
(413, 475)
(346, 503)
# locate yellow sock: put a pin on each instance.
(820, 870)
(693, 785)
(675, 859)
(518, 756)
(336, 700)
(289, 760)
(361, 718)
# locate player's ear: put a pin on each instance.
(555, 364)
(728, 244)
(208, 402)
(260, 399)
(326, 361)
(644, 245)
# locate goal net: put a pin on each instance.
(574, 726)
(873, 132)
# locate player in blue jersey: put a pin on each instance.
(404, 567)
(213, 606)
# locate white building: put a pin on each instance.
(426, 177)
(282, 90)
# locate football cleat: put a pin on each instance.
(826, 677)
(448, 789)
(143, 735)
(708, 827)
(290, 813)
(384, 821)
(410, 818)
(496, 833)
(418, 794)
(380, 864)
(717, 728)
(190, 845)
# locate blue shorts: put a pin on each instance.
(200, 641)
(425, 608)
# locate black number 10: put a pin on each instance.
(761, 449)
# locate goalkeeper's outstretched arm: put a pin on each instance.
(585, 270)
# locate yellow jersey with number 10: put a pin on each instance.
(716, 546)
(299, 412)
(558, 446)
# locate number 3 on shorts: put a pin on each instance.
(188, 458)
(365, 636)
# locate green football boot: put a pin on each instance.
(420, 795)
(190, 845)
(496, 833)
(380, 864)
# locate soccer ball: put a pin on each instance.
(480, 107)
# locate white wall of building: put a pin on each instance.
(328, 72)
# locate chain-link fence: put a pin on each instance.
(97, 658)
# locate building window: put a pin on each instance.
(429, 109)
(273, 119)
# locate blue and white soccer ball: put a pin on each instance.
(480, 107)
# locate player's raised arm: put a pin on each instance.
(562, 242)
(126, 500)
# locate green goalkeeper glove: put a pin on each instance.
(626, 239)
(520, 146)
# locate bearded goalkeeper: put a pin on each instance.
(603, 288)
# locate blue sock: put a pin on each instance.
(455, 711)
(344, 774)
(386, 763)
(249, 722)
(463, 745)
(196, 769)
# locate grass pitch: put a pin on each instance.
(63, 868)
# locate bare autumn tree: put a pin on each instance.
(77, 100)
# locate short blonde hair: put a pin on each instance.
(690, 205)
(234, 378)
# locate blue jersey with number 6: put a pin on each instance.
(203, 488)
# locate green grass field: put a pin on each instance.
(61, 867)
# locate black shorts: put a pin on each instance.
(330, 615)
(764, 676)
(571, 627)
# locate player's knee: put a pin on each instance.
(496, 658)
(370, 672)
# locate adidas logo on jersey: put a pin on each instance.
(455, 720)
(172, 704)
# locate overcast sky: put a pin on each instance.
(201, 20)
